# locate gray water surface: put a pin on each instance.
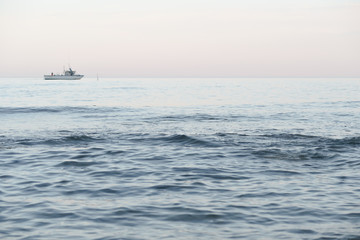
(180, 159)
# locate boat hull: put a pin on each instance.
(63, 77)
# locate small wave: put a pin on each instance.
(289, 136)
(302, 147)
(81, 156)
(57, 109)
(172, 187)
(264, 195)
(109, 191)
(81, 137)
(195, 117)
(128, 211)
(129, 173)
(54, 214)
(107, 173)
(77, 192)
(181, 139)
(348, 141)
(224, 177)
(15, 110)
(71, 139)
(189, 214)
(285, 154)
(187, 140)
(6, 176)
(76, 164)
(189, 217)
(226, 134)
(302, 231)
(281, 172)
(114, 152)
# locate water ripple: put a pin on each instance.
(219, 163)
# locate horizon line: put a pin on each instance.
(95, 76)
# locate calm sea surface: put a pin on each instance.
(180, 159)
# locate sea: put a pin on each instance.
(180, 158)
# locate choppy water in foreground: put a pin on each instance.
(180, 159)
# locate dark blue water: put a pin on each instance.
(180, 159)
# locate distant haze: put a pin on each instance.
(183, 38)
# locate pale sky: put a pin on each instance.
(181, 38)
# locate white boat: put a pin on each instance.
(68, 75)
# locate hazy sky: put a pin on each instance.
(181, 38)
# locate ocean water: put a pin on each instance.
(180, 158)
